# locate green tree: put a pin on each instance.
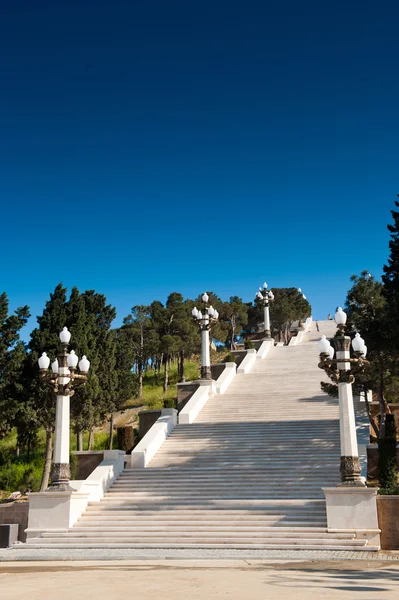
(183, 329)
(12, 356)
(288, 306)
(235, 314)
(390, 280)
(89, 318)
(141, 334)
(125, 381)
(367, 311)
(220, 328)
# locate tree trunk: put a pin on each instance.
(156, 370)
(91, 439)
(372, 422)
(47, 460)
(140, 362)
(28, 449)
(232, 344)
(111, 431)
(140, 374)
(79, 440)
(384, 408)
(181, 367)
(166, 374)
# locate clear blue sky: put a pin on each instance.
(150, 147)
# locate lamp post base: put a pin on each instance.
(350, 472)
(206, 373)
(267, 334)
(60, 477)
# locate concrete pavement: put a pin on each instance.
(199, 579)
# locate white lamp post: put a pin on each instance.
(341, 370)
(205, 320)
(266, 296)
(61, 378)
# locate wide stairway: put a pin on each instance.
(247, 474)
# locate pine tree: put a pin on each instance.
(140, 331)
(391, 280)
(89, 319)
(235, 313)
(12, 356)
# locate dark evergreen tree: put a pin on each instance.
(89, 318)
(367, 311)
(143, 339)
(390, 279)
(235, 314)
(12, 356)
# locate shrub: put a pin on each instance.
(387, 468)
(170, 403)
(125, 438)
(249, 345)
(229, 358)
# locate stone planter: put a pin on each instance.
(147, 418)
(88, 460)
(388, 521)
(15, 512)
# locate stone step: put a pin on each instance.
(210, 473)
(211, 533)
(273, 544)
(148, 486)
(269, 485)
(199, 526)
(40, 543)
(283, 523)
(209, 496)
(311, 504)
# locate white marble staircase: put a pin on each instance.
(247, 474)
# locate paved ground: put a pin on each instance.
(127, 554)
(199, 579)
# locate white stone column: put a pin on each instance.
(267, 320)
(60, 472)
(61, 435)
(205, 348)
(350, 464)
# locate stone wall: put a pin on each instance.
(388, 521)
(217, 370)
(239, 356)
(147, 418)
(15, 512)
(184, 393)
(87, 462)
